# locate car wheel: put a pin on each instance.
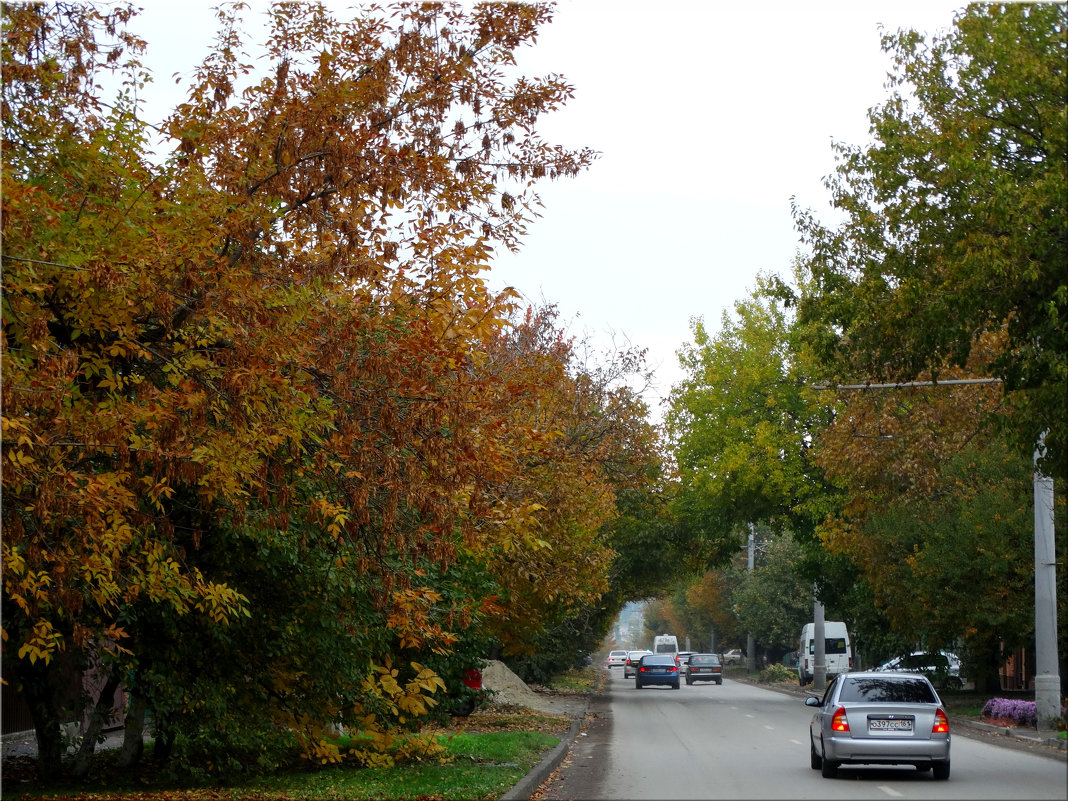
(675, 686)
(814, 759)
(828, 769)
(637, 684)
(941, 770)
(689, 682)
(719, 682)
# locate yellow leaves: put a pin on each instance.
(20, 458)
(374, 743)
(334, 515)
(157, 489)
(42, 643)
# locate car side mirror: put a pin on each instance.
(813, 701)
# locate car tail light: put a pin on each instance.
(941, 723)
(839, 722)
(674, 670)
(642, 669)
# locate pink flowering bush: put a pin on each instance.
(1020, 713)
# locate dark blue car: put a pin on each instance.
(657, 669)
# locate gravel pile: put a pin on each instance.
(507, 687)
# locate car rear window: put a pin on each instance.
(887, 690)
(656, 659)
(704, 659)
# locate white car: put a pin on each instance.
(939, 666)
(630, 667)
(733, 657)
(616, 659)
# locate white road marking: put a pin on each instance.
(795, 742)
(890, 791)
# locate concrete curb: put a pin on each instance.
(526, 786)
(1022, 735)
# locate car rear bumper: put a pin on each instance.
(885, 751)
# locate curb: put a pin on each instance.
(526, 786)
(1032, 738)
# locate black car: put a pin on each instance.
(704, 667)
(657, 669)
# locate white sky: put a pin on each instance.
(709, 117)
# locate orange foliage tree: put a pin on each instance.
(276, 323)
(578, 437)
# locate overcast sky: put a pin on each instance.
(709, 117)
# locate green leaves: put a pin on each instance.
(742, 423)
(956, 219)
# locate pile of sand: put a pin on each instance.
(507, 687)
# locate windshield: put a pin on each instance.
(887, 690)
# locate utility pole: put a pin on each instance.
(1047, 675)
(819, 658)
(750, 645)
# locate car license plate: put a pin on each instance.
(886, 724)
(698, 670)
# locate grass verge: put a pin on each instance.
(490, 751)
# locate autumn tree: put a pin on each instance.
(579, 437)
(938, 519)
(267, 327)
(955, 220)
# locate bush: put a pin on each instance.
(1020, 713)
(776, 673)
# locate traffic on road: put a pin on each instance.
(738, 740)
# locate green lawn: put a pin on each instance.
(484, 765)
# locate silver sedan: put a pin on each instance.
(879, 719)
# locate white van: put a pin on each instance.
(838, 651)
(665, 644)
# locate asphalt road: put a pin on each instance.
(743, 741)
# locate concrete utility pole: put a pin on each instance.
(1047, 675)
(819, 659)
(750, 645)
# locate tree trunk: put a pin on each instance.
(46, 726)
(39, 689)
(133, 741)
(102, 710)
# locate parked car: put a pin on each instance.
(704, 667)
(733, 657)
(877, 718)
(616, 659)
(941, 667)
(630, 667)
(657, 669)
